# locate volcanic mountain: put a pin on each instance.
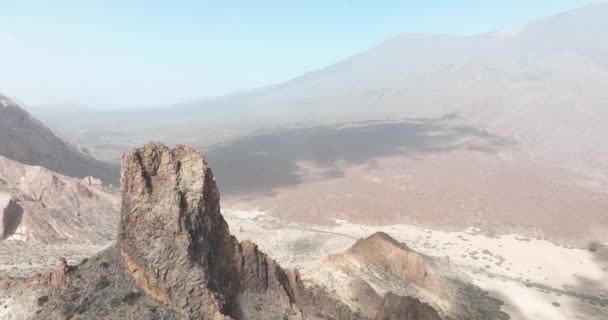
(27, 140)
(541, 84)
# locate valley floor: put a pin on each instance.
(24, 259)
(535, 279)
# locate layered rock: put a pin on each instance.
(177, 245)
(41, 205)
(394, 307)
(176, 259)
(388, 280)
(384, 252)
(391, 306)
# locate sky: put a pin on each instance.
(129, 54)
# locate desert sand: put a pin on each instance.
(500, 192)
(536, 279)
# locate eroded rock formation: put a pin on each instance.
(177, 245)
(10, 215)
(384, 252)
(41, 205)
(394, 307)
(176, 259)
(396, 282)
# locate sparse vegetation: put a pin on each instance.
(131, 297)
(82, 307)
(102, 283)
(42, 300)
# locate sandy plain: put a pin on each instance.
(536, 279)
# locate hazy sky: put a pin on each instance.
(113, 54)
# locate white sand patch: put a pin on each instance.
(18, 307)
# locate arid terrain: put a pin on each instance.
(25, 139)
(535, 279)
(430, 177)
(435, 173)
(541, 85)
(46, 215)
(176, 258)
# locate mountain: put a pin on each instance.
(39, 205)
(25, 139)
(380, 265)
(176, 259)
(542, 85)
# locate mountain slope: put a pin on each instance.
(176, 259)
(26, 140)
(380, 265)
(44, 206)
(542, 85)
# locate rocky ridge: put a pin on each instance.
(37, 204)
(176, 259)
(26, 140)
(379, 273)
(177, 245)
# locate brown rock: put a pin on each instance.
(10, 215)
(382, 251)
(365, 296)
(177, 245)
(382, 263)
(42, 205)
(394, 307)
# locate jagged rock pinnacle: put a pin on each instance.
(177, 245)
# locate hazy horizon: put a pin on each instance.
(70, 54)
(438, 160)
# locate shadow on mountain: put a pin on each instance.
(261, 162)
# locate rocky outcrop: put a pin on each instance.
(367, 299)
(389, 307)
(396, 282)
(10, 215)
(384, 252)
(394, 307)
(26, 140)
(41, 205)
(176, 259)
(177, 245)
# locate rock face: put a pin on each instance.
(388, 280)
(26, 140)
(11, 213)
(41, 205)
(394, 307)
(384, 252)
(177, 245)
(176, 259)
